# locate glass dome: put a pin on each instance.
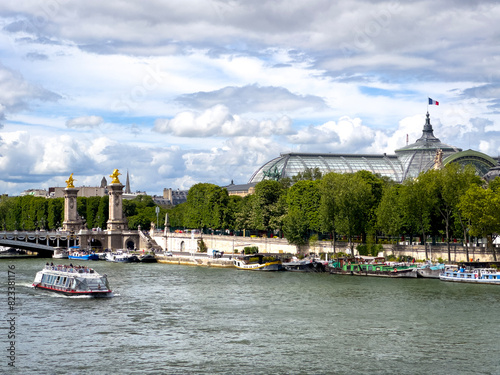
(291, 164)
(407, 162)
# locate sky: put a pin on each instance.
(179, 92)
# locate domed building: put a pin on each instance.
(408, 162)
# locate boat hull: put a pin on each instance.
(74, 292)
(304, 267)
(84, 257)
(376, 270)
(271, 266)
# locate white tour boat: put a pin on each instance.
(72, 280)
(60, 253)
(477, 275)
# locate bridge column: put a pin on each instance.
(72, 222)
(116, 223)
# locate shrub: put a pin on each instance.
(250, 250)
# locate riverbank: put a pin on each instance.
(196, 261)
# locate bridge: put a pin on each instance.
(41, 242)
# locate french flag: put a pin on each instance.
(431, 102)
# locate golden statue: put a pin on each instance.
(69, 181)
(114, 177)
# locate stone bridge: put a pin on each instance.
(39, 241)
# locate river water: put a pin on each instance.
(169, 319)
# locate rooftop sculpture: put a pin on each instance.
(114, 177)
(69, 181)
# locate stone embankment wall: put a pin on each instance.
(187, 242)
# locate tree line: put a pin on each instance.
(450, 203)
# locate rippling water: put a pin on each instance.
(168, 319)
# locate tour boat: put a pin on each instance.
(60, 253)
(257, 262)
(476, 275)
(72, 280)
(82, 255)
(121, 257)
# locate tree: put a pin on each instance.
(91, 211)
(327, 204)
(418, 201)
(389, 212)
(377, 188)
(303, 202)
(55, 213)
(452, 183)
(482, 207)
(353, 200)
(206, 206)
(103, 212)
(266, 205)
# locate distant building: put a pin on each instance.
(240, 190)
(35, 193)
(83, 191)
(173, 197)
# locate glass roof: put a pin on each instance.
(409, 161)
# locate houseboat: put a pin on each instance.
(431, 271)
(257, 262)
(375, 267)
(72, 280)
(122, 257)
(83, 255)
(305, 265)
(475, 275)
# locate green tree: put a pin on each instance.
(102, 216)
(267, 205)
(55, 213)
(389, 212)
(452, 183)
(482, 207)
(353, 203)
(206, 206)
(303, 202)
(419, 200)
(91, 211)
(327, 208)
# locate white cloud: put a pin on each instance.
(228, 85)
(218, 122)
(85, 122)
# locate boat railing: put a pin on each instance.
(74, 269)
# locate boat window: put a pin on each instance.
(377, 269)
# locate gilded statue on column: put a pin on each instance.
(69, 181)
(114, 177)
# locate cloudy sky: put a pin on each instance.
(185, 91)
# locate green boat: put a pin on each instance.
(355, 268)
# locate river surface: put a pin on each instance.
(170, 319)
